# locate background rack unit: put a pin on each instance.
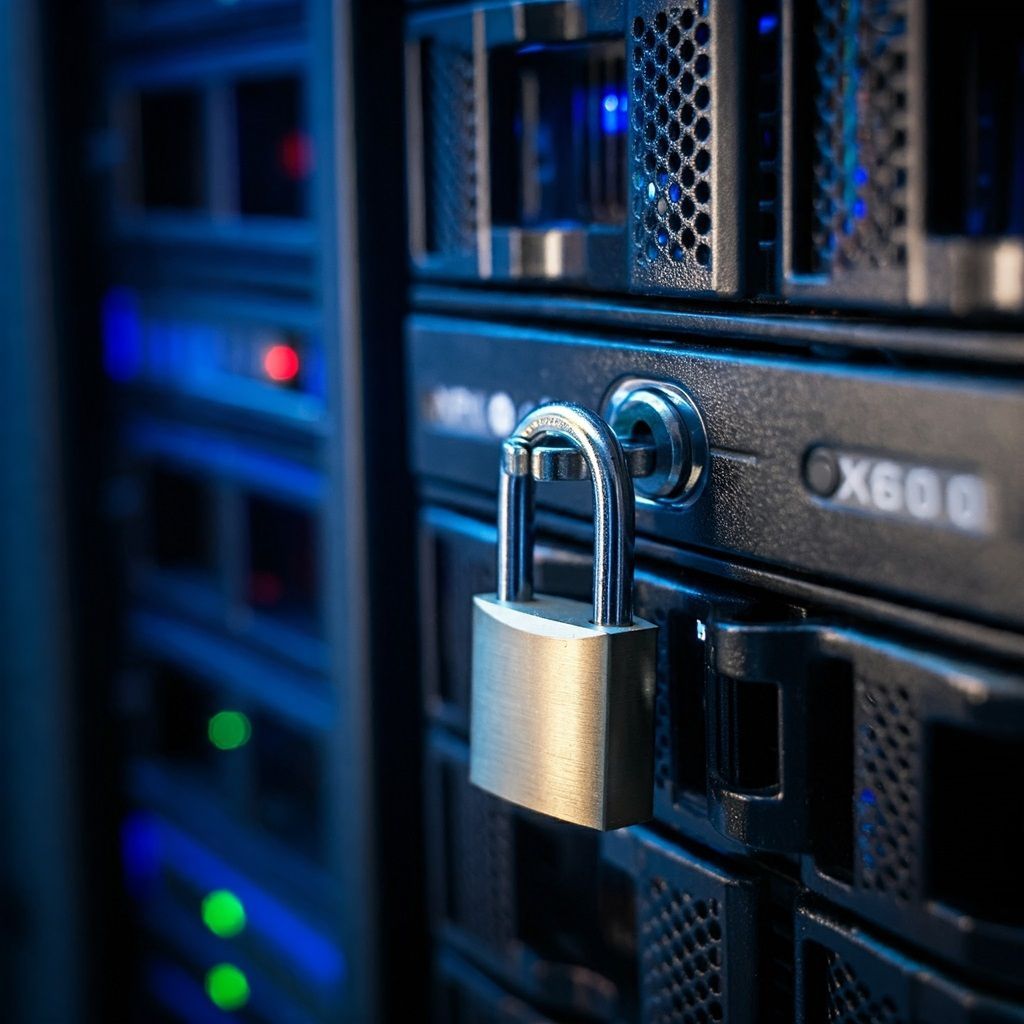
(231, 319)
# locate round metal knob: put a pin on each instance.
(661, 415)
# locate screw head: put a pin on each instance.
(821, 472)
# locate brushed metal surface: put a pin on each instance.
(562, 711)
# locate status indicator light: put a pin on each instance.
(223, 913)
(281, 363)
(229, 730)
(296, 155)
(227, 987)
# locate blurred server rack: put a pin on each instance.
(748, 201)
(231, 331)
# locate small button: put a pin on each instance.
(821, 472)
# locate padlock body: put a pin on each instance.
(562, 715)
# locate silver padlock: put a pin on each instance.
(562, 710)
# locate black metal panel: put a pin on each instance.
(764, 417)
(844, 974)
(854, 751)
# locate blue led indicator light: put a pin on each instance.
(614, 113)
(767, 24)
(122, 335)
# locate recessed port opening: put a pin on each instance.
(830, 783)
(452, 784)
(172, 172)
(975, 127)
(750, 754)
(182, 707)
(283, 557)
(182, 516)
(975, 827)
(287, 773)
(560, 120)
(275, 150)
(556, 870)
(684, 664)
(616, 910)
(462, 568)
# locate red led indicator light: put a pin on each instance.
(296, 155)
(281, 363)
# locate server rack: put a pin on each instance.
(232, 322)
(748, 201)
(807, 215)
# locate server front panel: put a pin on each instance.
(751, 204)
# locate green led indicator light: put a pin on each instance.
(229, 730)
(227, 987)
(223, 913)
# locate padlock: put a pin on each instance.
(562, 713)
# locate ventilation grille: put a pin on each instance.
(859, 197)
(671, 88)
(681, 963)
(849, 1001)
(450, 149)
(887, 762)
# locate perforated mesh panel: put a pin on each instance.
(860, 135)
(887, 784)
(671, 68)
(450, 149)
(681, 939)
(849, 1001)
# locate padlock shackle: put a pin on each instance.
(614, 508)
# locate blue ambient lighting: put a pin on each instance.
(140, 852)
(313, 953)
(122, 335)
